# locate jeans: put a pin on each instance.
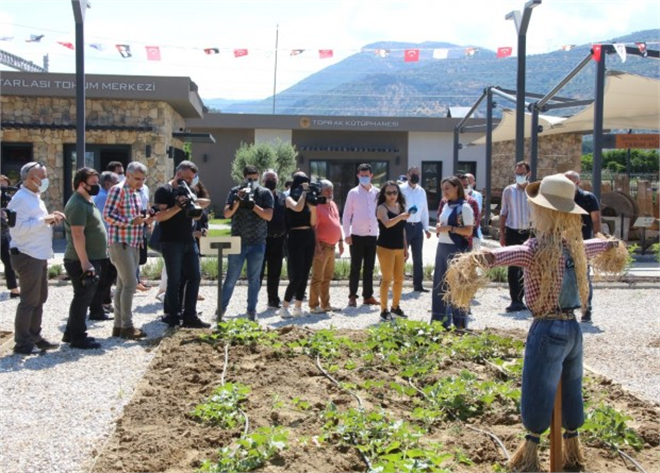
(362, 249)
(82, 298)
(273, 260)
(181, 261)
(301, 253)
(440, 310)
(554, 349)
(415, 240)
(254, 254)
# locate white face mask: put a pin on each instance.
(122, 178)
(195, 181)
(521, 179)
(43, 187)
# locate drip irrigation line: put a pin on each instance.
(485, 432)
(625, 456)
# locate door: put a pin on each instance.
(431, 180)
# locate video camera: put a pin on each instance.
(89, 278)
(189, 202)
(314, 196)
(245, 194)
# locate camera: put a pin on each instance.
(245, 194)
(189, 201)
(314, 196)
(89, 278)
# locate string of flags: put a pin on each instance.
(153, 53)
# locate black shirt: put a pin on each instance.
(245, 223)
(277, 225)
(588, 202)
(391, 238)
(178, 228)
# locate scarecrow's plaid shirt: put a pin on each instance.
(122, 206)
(523, 255)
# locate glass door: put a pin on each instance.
(431, 180)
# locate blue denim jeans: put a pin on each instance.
(554, 349)
(254, 254)
(440, 310)
(182, 259)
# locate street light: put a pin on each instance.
(79, 9)
(522, 22)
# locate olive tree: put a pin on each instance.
(279, 156)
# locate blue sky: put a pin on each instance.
(182, 28)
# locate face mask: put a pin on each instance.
(365, 180)
(270, 185)
(195, 181)
(122, 178)
(43, 187)
(521, 179)
(94, 189)
(414, 178)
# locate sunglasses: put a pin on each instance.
(391, 192)
(33, 166)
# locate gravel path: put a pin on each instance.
(59, 409)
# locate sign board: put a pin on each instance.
(644, 222)
(632, 141)
(209, 245)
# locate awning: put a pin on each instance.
(630, 102)
(194, 137)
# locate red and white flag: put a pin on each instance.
(382, 52)
(66, 45)
(567, 47)
(411, 55)
(296, 52)
(124, 50)
(35, 38)
(325, 53)
(642, 48)
(153, 53)
(441, 53)
(210, 51)
(620, 49)
(596, 51)
(504, 52)
(240, 52)
(471, 51)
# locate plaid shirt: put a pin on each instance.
(523, 255)
(122, 206)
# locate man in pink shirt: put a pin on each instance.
(328, 235)
(361, 231)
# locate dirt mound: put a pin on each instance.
(158, 433)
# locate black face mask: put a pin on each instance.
(270, 185)
(94, 189)
(298, 181)
(414, 178)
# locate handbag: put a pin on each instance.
(154, 239)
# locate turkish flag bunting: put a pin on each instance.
(124, 50)
(66, 45)
(596, 50)
(296, 52)
(411, 55)
(642, 49)
(153, 53)
(211, 51)
(240, 52)
(325, 53)
(504, 52)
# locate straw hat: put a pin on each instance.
(554, 192)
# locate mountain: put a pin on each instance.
(366, 84)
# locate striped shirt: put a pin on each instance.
(516, 207)
(121, 208)
(523, 255)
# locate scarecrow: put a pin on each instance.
(554, 262)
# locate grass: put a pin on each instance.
(219, 233)
(220, 221)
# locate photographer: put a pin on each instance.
(30, 247)
(86, 246)
(10, 274)
(250, 207)
(274, 241)
(300, 221)
(178, 207)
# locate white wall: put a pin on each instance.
(271, 136)
(428, 146)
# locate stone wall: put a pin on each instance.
(557, 153)
(48, 143)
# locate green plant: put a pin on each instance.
(54, 271)
(153, 269)
(655, 249)
(498, 274)
(342, 269)
(250, 452)
(240, 332)
(300, 404)
(222, 408)
(279, 156)
(609, 426)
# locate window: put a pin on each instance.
(431, 180)
(14, 157)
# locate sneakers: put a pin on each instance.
(66, 338)
(285, 314)
(318, 310)
(131, 333)
(195, 322)
(398, 312)
(586, 317)
(421, 289)
(86, 344)
(297, 312)
(44, 344)
(385, 316)
(370, 301)
(352, 301)
(516, 307)
(108, 308)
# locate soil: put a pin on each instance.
(158, 434)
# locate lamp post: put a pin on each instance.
(522, 22)
(79, 9)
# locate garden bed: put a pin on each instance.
(423, 392)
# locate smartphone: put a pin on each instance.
(412, 210)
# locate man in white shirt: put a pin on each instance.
(30, 248)
(361, 230)
(417, 225)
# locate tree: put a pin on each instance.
(279, 156)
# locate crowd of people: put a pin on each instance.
(108, 221)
